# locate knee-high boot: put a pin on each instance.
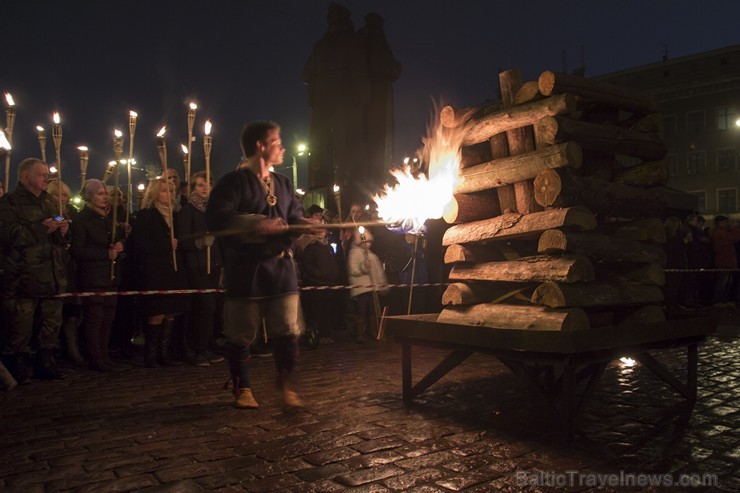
(69, 327)
(239, 370)
(286, 356)
(165, 341)
(151, 342)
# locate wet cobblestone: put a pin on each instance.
(475, 430)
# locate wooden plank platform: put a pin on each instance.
(553, 364)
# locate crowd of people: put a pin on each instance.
(236, 239)
(701, 263)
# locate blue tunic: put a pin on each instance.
(254, 270)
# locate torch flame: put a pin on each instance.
(82, 148)
(162, 131)
(141, 187)
(52, 169)
(9, 99)
(208, 127)
(420, 196)
(118, 134)
(193, 106)
(39, 128)
(184, 148)
(336, 188)
(112, 163)
(133, 114)
(4, 144)
(56, 119)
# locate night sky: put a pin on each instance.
(241, 60)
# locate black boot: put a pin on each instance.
(165, 341)
(47, 366)
(151, 342)
(17, 365)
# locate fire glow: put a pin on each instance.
(414, 199)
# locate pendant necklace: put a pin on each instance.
(270, 197)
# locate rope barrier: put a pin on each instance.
(85, 294)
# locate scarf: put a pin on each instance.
(198, 201)
(165, 211)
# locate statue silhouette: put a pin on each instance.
(349, 76)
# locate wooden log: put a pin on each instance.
(514, 226)
(597, 164)
(516, 317)
(599, 247)
(604, 138)
(557, 295)
(650, 230)
(558, 188)
(489, 252)
(452, 117)
(643, 175)
(509, 170)
(521, 141)
(499, 149)
(595, 91)
(633, 273)
(475, 154)
(466, 207)
(644, 315)
(470, 293)
(652, 123)
(528, 92)
(572, 268)
(485, 127)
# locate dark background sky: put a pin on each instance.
(241, 60)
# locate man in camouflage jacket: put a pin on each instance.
(32, 238)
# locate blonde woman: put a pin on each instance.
(154, 246)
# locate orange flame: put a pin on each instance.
(420, 196)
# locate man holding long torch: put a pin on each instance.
(259, 275)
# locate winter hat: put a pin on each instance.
(315, 209)
(91, 188)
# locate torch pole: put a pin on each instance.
(118, 150)
(207, 151)
(191, 122)
(56, 131)
(42, 142)
(131, 131)
(413, 272)
(84, 156)
(162, 148)
(9, 123)
(114, 224)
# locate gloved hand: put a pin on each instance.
(205, 241)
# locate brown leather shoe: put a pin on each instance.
(243, 399)
(291, 399)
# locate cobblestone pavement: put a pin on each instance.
(476, 430)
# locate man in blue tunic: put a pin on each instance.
(259, 274)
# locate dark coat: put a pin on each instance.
(319, 265)
(191, 222)
(253, 269)
(31, 258)
(91, 237)
(155, 267)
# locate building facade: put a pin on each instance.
(699, 99)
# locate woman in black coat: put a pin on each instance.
(94, 253)
(156, 270)
(195, 248)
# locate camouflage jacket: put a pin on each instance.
(31, 258)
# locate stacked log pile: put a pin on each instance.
(556, 210)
